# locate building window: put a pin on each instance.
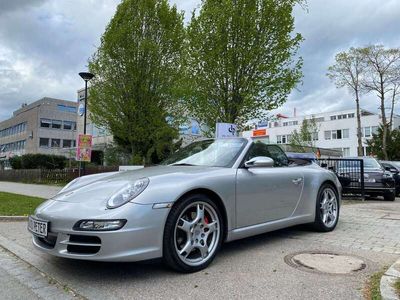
(68, 144)
(67, 125)
(45, 123)
(345, 133)
(350, 116)
(66, 108)
(16, 129)
(346, 152)
(336, 134)
(56, 124)
(327, 135)
(369, 131)
(315, 136)
(15, 146)
(283, 139)
(55, 143)
(290, 123)
(44, 142)
(333, 118)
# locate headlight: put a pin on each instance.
(99, 225)
(128, 192)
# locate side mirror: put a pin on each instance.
(260, 162)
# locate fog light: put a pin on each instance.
(99, 225)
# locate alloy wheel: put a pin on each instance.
(329, 207)
(197, 233)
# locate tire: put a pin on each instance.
(185, 228)
(389, 196)
(324, 220)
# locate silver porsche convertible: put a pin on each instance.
(210, 192)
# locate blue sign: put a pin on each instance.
(81, 109)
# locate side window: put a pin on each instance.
(278, 156)
(272, 151)
(258, 149)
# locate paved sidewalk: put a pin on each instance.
(253, 268)
(35, 190)
(371, 225)
(19, 280)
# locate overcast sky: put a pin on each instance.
(45, 43)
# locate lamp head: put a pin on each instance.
(86, 75)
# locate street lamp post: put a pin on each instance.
(86, 76)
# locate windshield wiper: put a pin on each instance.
(183, 164)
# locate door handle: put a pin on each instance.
(297, 181)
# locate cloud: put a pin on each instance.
(43, 46)
(13, 5)
(328, 28)
(45, 43)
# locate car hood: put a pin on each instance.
(101, 187)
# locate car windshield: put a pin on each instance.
(371, 163)
(210, 153)
(396, 164)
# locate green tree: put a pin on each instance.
(242, 59)
(381, 77)
(305, 138)
(392, 144)
(138, 66)
(348, 71)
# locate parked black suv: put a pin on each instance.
(394, 168)
(377, 180)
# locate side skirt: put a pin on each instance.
(244, 232)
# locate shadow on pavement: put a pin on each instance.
(150, 270)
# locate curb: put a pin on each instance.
(388, 280)
(13, 218)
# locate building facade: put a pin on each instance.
(336, 130)
(45, 126)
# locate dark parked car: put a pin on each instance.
(394, 168)
(377, 180)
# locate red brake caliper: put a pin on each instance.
(206, 220)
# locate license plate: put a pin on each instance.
(370, 180)
(38, 227)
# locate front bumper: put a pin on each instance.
(140, 239)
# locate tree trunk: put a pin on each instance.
(384, 123)
(392, 108)
(360, 150)
(385, 128)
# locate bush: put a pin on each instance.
(16, 162)
(38, 161)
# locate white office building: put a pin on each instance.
(337, 130)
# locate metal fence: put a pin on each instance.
(350, 173)
(43, 176)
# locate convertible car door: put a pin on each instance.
(267, 194)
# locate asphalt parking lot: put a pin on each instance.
(252, 268)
